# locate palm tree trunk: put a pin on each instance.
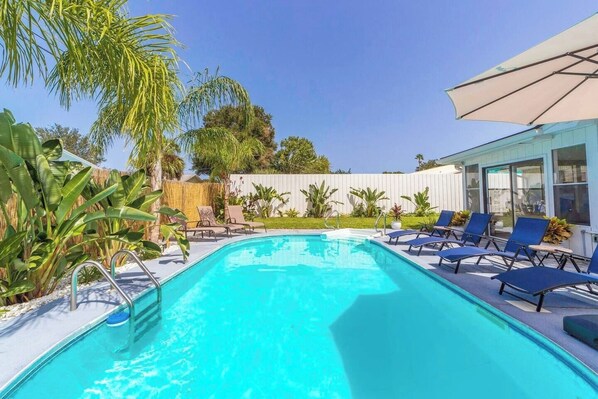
(156, 184)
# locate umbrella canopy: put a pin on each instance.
(554, 81)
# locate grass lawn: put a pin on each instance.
(409, 222)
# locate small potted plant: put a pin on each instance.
(558, 231)
(396, 211)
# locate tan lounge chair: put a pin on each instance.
(235, 215)
(207, 219)
(187, 227)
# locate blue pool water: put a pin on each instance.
(301, 317)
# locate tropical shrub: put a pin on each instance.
(427, 224)
(291, 213)
(266, 198)
(460, 218)
(558, 231)
(370, 199)
(421, 201)
(53, 228)
(396, 212)
(248, 202)
(132, 193)
(358, 210)
(318, 199)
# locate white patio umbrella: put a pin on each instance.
(554, 81)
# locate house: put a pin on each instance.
(440, 170)
(547, 170)
(69, 156)
(190, 178)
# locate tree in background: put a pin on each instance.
(423, 165)
(298, 155)
(223, 151)
(72, 141)
(235, 120)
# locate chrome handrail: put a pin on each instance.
(126, 252)
(378, 219)
(110, 280)
(338, 221)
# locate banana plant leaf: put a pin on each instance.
(16, 168)
(71, 191)
(52, 149)
(17, 288)
(50, 188)
(10, 248)
(129, 213)
(5, 186)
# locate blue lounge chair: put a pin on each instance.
(527, 231)
(444, 220)
(472, 235)
(540, 280)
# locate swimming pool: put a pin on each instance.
(299, 316)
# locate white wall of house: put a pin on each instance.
(445, 189)
(550, 137)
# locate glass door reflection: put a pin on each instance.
(498, 198)
(512, 191)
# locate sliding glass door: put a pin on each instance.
(512, 191)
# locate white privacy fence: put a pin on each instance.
(446, 190)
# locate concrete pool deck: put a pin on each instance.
(43, 328)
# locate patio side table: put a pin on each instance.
(560, 254)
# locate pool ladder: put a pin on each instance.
(338, 220)
(111, 278)
(380, 215)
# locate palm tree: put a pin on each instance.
(219, 148)
(127, 64)
(88, 49)
(180, 108)
(420, 159)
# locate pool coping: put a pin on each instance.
(201, 250)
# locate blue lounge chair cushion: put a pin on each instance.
(471, 235)
(536, 280)
(444, 220)
(401, 233)
(527, 231)
(457, 254)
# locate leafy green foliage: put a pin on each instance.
(234, 119)
(72, 141)
(370, 199)
(318, 199)
(559, 230)
(460, 218)
(265, 199)
(133, 196)
(423, 165)
(291, 213)
(52, 229)
(298, 155)
(421, 201)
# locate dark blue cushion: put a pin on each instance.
(536, 280)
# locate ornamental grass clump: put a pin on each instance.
(558, 231)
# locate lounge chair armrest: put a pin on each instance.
(231, 220)
(204, 223)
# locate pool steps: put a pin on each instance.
(351, 233)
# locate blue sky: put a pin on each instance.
(363, 80)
